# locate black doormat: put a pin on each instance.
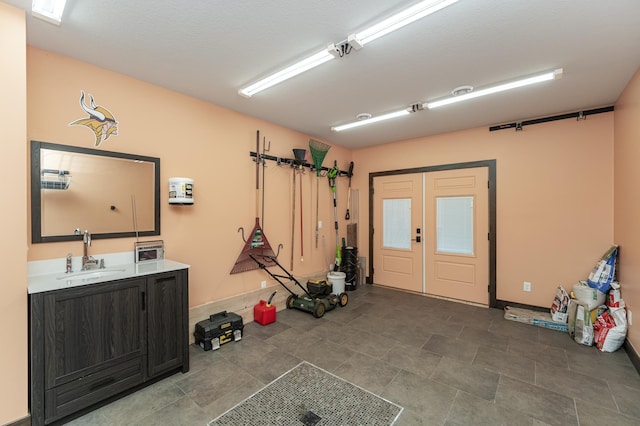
(308, 395)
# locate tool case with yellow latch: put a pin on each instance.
(218, 329)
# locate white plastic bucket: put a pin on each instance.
(180, 190)
(337, 279)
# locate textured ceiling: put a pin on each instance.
(210, 49)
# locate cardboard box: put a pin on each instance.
(539, 319)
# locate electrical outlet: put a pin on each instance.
(526, 286)
(263, 284)
(630, 317)
(319, 224)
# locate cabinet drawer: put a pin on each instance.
(83, 392)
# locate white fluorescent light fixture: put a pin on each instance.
(419, 10)
(48, 10)
(553, 75)
(399, 20)
(370, 120)
(287, 73)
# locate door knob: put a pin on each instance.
(418, 237)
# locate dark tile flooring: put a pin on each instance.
(446, 363)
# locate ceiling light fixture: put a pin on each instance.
(48, 10)
(399, 20)
(552, 75)
(460, 93)
(363, 122)
(287, 73)
(356, 41)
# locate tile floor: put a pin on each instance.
(445, 363)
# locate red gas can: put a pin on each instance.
(263, 313)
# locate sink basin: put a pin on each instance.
(90, 275)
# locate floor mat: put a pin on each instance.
(310, 396)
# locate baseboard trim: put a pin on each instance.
(633, 355)
(25, 421)
(501, 304)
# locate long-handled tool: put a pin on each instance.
(257, 243)
(264, 165)
(293, 218)
(332, 174)
(301, 223)
(348, 215)
(318, 152)
(299, 155)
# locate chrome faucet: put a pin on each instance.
(88, 262)
(69, 268)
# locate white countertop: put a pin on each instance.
(60, 280)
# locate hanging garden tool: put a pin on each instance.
(348, 215)
(257, 244)
(264, 165)
(332, 174)
(301, 223)
(299, 155)
(318, 152)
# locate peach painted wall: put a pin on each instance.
(554, 196)
(13, 227)
(197, 140)
(627, 203)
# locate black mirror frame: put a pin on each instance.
(36, 196)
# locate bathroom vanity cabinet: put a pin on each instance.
(90, 343)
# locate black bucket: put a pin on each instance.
(349, 266)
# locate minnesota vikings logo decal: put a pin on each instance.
(100, 120)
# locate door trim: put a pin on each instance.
(491, 166)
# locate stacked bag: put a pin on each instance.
(594, 310)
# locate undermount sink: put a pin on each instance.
(90, 275)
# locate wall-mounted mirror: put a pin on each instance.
(111, 194)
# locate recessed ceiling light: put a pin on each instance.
(363, 116)
(462, 90)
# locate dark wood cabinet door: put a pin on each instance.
(167, 318)
(91, 328)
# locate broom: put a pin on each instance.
(318, 152)
(257, 245)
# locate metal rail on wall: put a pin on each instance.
(579, 115)
(292, 162)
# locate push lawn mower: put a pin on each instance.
(317, 304)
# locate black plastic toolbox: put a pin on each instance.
(218, 329)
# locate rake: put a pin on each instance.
(257, 244)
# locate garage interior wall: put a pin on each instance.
(626, 199)
(13, 255)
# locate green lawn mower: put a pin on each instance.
(317, 301)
